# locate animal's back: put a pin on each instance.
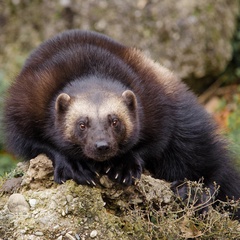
(74, 54)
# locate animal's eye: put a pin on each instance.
(82, 126)
(115, 122)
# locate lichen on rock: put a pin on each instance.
(41, 209)
(49, 211)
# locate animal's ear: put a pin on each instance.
(130, 99)
(62, 102)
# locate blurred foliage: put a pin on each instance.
(7, 161)
(235, 63)
(3, 86)
(233, 124)
(232, 72)
(227, 116)
(230, 103)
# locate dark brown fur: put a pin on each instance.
(176, 138)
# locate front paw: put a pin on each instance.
(126, 170)
(84, 176)
(80, 173)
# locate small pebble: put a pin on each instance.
(93, 234)
(32, 203)
(63, 213)
(69, 236)
(56, 226)
(69, 198)
(38, 234)
(77, 237)
(17, 203)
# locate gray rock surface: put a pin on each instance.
(191, 37)
(45, 210)
(41, 209)
(17, 203)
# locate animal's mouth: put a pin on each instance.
(101, 156)
(101, 152)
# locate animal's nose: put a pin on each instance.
(102, 145)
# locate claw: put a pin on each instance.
(116, 176)
(88, 182)
(124, 180)
(108, 170)
(93, 183)
(97, 174)
(136, 181)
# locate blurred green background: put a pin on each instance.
(165, 30)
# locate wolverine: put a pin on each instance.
(95, 106)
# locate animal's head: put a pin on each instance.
(103, 124)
